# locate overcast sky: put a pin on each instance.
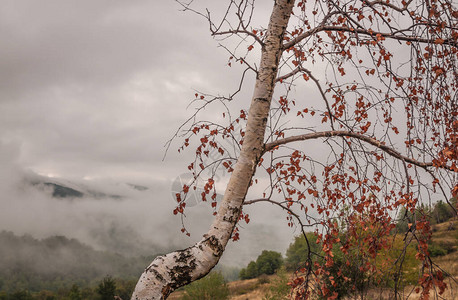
(92, 90)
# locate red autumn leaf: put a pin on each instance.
(439, 41)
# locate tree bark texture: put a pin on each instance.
(171, 271)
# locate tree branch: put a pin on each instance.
(370, 140)
(323, 95)
(449, 41)
(237, 31)
(390, 5)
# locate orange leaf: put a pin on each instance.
(439, 41)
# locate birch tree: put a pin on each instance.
(380, 104)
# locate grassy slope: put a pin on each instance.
(252, 289)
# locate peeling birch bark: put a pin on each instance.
(171, 271)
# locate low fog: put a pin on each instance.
(129, 218)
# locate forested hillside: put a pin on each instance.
(58, 262)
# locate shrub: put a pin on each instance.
(251, 271)
(440, 248)
(263, 279)
(242, 274)
(297, 252)
(435, 250)
(210, 287)
(268, 262)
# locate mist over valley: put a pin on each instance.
(79, 231)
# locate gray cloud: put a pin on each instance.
(96, 83)
(50, 43)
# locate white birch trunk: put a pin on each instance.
(169, 272)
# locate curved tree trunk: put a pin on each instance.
(169, 272)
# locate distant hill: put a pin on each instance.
(68, 190)
(60, 191)
(58, 262)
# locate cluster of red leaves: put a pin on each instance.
(429, 278)
(211, 156)
(243, 217)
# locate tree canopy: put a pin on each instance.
(268, 262)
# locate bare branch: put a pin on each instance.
(238, 31)
(388, 4)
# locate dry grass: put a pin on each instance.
(176, 295)
(239, 290)
(252, 289)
